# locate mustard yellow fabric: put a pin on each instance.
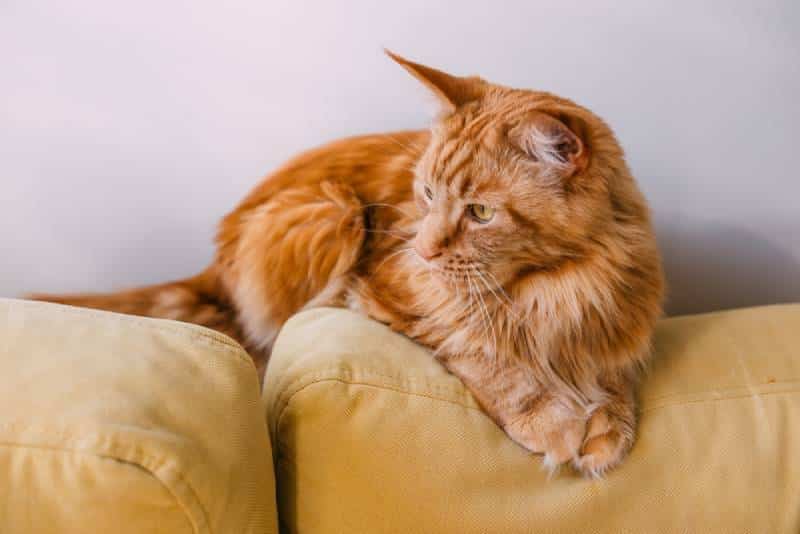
(371, 435)
(117, 424)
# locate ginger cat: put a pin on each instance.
(511, 239)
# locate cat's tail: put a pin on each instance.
(197, 300)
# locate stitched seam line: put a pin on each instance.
(187, 330)
(338, 370)
(722, 398)
(652, 403)
(775, 384)
(128, 461)
(68, 309)
(282, 411)
(285, 404)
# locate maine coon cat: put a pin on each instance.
(511, 239)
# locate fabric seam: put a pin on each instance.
(193, 331)
(285, 404)
(777, 383)
(687, 402)
(133, 462)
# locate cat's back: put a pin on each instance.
(354, 172)
(376, 166)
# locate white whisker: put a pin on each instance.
(390, 256)
(491, 325)
(500, 288)
(485, 317)
(489, 287)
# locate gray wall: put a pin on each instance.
(128, 128)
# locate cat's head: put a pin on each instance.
(511, 180)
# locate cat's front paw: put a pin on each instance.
(607, 442)
(551, 429)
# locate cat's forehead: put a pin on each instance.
(465, 153)
(480, 126)
(483, 125)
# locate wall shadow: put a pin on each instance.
(713, 266)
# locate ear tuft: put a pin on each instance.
(452, 91)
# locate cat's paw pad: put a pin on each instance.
(607, 441)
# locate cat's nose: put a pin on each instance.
(428, 253)
(431, 239)
(428, 249)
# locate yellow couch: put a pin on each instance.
(111, 423)
(117, 424)
(371, 435)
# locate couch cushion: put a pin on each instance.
(113, 423)
(372, 435)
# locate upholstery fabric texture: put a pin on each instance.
(370, 434)
(113, 423)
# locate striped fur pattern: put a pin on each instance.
(544, 305)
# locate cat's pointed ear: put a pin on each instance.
(559, 142)
(452, 91)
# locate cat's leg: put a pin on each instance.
(542, 419)
(611, 428)
(295, 248)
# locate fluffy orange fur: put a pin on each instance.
(511, 239)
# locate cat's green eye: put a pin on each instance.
(428, 193)
(481, 212)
